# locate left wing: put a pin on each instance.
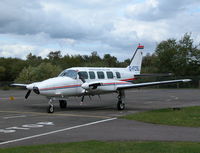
(137, 85)
(19, 85)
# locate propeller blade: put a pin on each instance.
(27, 94)
(81, 78)
(82, 98)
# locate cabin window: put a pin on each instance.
(100, 75)
(83, 74)
(118, 75)
(92, 75)
(109, 75)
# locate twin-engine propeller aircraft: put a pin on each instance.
(87, 81)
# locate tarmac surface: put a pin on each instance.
(25, 122)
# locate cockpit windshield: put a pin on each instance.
(69, 73)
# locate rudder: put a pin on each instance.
(136, 60)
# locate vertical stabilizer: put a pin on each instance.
(136, 60)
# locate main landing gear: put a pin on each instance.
(63, 104)
(121, 101)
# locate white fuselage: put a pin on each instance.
(68, 83)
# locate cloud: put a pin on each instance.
(15, 50)
(151, 10)
(82, 26)
(55, 19)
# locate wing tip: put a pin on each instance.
(187, 80)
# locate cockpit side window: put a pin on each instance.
(69, 73)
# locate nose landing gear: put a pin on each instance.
(50, 109)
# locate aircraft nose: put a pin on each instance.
(30, 86)
(36, 90)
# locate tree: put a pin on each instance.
(54, 55)
(179, 57)
(34, 74)
(2, 73)
(33, 60)
(149, 63)
(110, 61)
(166, 52)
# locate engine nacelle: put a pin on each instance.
(90, 86)
(86, 86)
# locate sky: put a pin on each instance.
(113, 27)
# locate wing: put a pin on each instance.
(19, 85)
(137, 85)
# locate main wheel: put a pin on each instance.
(63, 103)
(120, 105)
(50, 109)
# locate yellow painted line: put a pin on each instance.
(54, 114)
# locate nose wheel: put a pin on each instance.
(50, 109)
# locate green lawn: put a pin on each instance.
(188, 116)
(110, 147)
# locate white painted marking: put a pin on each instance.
(25, 127)
(9, 117)
(56, 131)
(32, 126)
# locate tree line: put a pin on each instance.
(180, 57)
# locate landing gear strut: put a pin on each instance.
(120, 103)
(50, 109)
(63, 104)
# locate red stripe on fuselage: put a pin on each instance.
(60, 87)
(130, 79)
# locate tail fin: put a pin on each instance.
(136, 60)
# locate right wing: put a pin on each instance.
(137, 85)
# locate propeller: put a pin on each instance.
(35, 89)
(83, 80)
(82, 98)
(27, 94)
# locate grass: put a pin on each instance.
(188, 116)
(110, 147)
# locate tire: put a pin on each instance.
(63, 104)
(50, 109)
(120, 105)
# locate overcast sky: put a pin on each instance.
(83, 26)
